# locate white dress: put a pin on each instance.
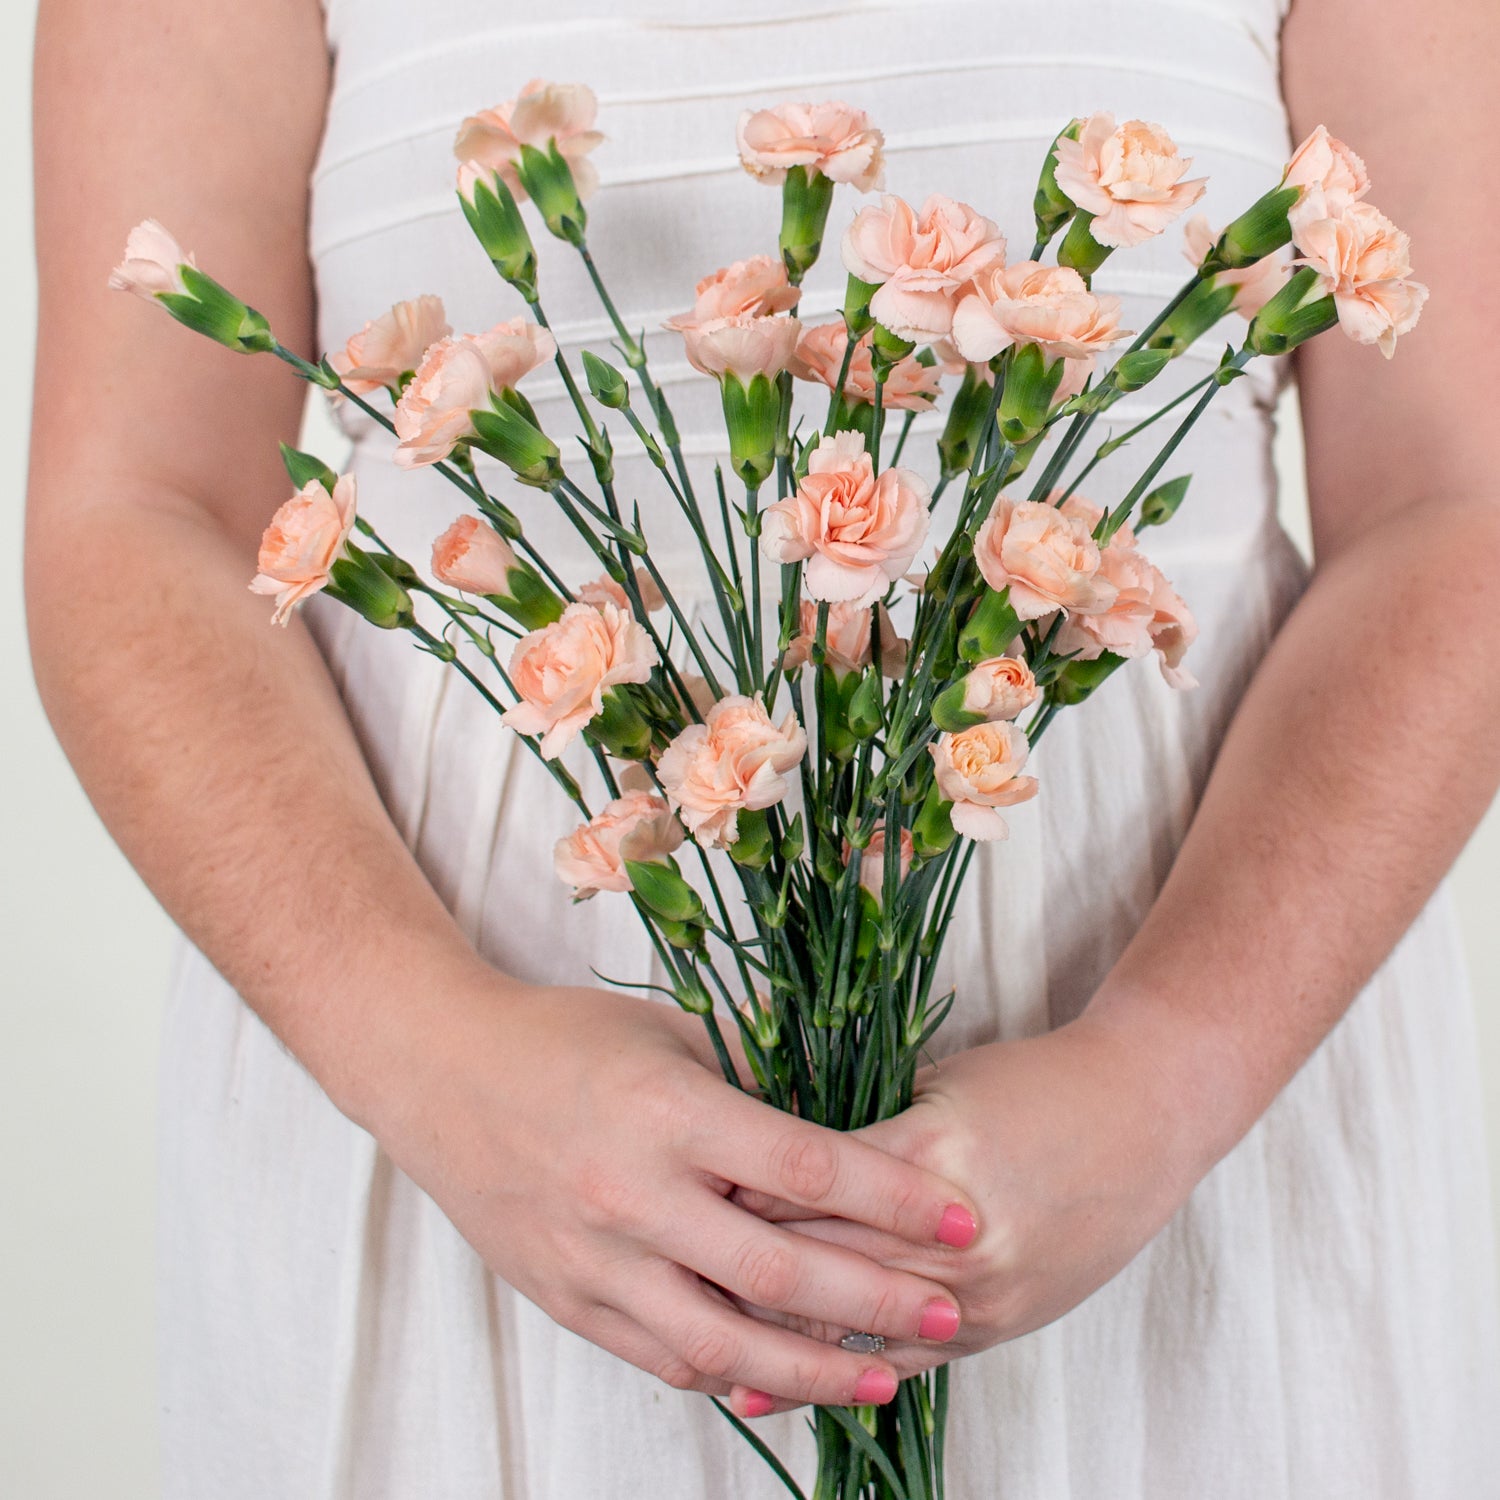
(1316, 1323)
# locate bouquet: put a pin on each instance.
(859, 713)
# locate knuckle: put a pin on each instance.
(712, 1349)
(678, 1374)
(807, 1167)
(769, 1274)
(604, 1200)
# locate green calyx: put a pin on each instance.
(1298, 312)
(752, 413)
(1260, 231)
(209, 309)
(363, 580)
(495, 217)
(508, 431)
(805, 199)
(548, 179)
(1051, 206)
(990, 628)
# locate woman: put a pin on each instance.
(405, 1139)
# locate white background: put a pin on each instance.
(83, 957)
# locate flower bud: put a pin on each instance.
(303, 468)
(866, 706)
(1298, 312)
(1161, 504)
(548, 179)
(1051, 206)
(963, 432)
(1031, 381)
(504, 433)
(794, 841)
(805, 199)
(752, 848)
(1138, 369)
(661, 889)
(1261, 230)
(606, 384)
(752, 413)
(857, 295)
(494, 216)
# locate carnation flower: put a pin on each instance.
(1000, 688)
(1330, 175)
(920, 261)
(636, 826)
(561, 673)
(909, 384)
(858, 533)
(737, 759)
(1044, 556)
(540, 113)
(391, 345)
(305, 538)
(835, 140)
(152, 263)
(848, 640)
(604, 588)
(744, 346)
(1129, 178)
(1254, 285)
(978, 771)
(1029, 303)
(1364, 263)
(754, 288)
(872, 863)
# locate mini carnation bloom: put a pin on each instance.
(857, 532)
(562, 672)
(1000, 688)
(391, 345)
(909, 384)
(605, 588)
(542, 112)
(833, 139)
(304, 540)
(744, 346)
(872, 864)
(1330, 175)
(1046, 557)
(1029, 303)
(152, 263)
(920, 261)
(736, 759)
(636, 826)
(474, 557)
(1147, 614)
(754, 288)
(514, 349)
(1364, 263)
(848, 641)
(432, 415)
(1129, 177)
(978, 771)
(1254, 285)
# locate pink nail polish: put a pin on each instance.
(957, 1227)
(939, 1321)
(875, 1388)
(757, 1403)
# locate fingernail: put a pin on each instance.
(757, 1403)
(957, 1227)
(939, 1321)
(875, 1388)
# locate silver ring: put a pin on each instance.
(863, 1343)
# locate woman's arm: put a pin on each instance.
(217, 752)
(1357, 764)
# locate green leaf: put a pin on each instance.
(756, 1442)
(870, 1448)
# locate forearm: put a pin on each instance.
(1358, 763)
(218, 754)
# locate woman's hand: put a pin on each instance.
(587, 1146)
(1069, 1146)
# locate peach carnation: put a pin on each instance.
(1046, 557)
(978, 771)
(921, 261)
(540, 113)
(305, 538)
(473, 557)
(605, 588)
(1330, 175)
(848, 641)
(561, 672)
(754, 288)
(736, 759)
(514, 349)
(872, 865)
(857, 532)
(833, 139)
(1254, 285)
(744, 346)
(1000, 688)
(391, 346)
(1130, 178)
(635, 826)
(152, 263)
(432, 416)
(909, 384)
(1364, 263)
(1029, 303)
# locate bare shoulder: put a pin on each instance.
(207, 117)
(1412, 89)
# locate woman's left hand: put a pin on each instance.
(1075, 1151)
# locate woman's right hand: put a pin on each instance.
(586, 1144)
